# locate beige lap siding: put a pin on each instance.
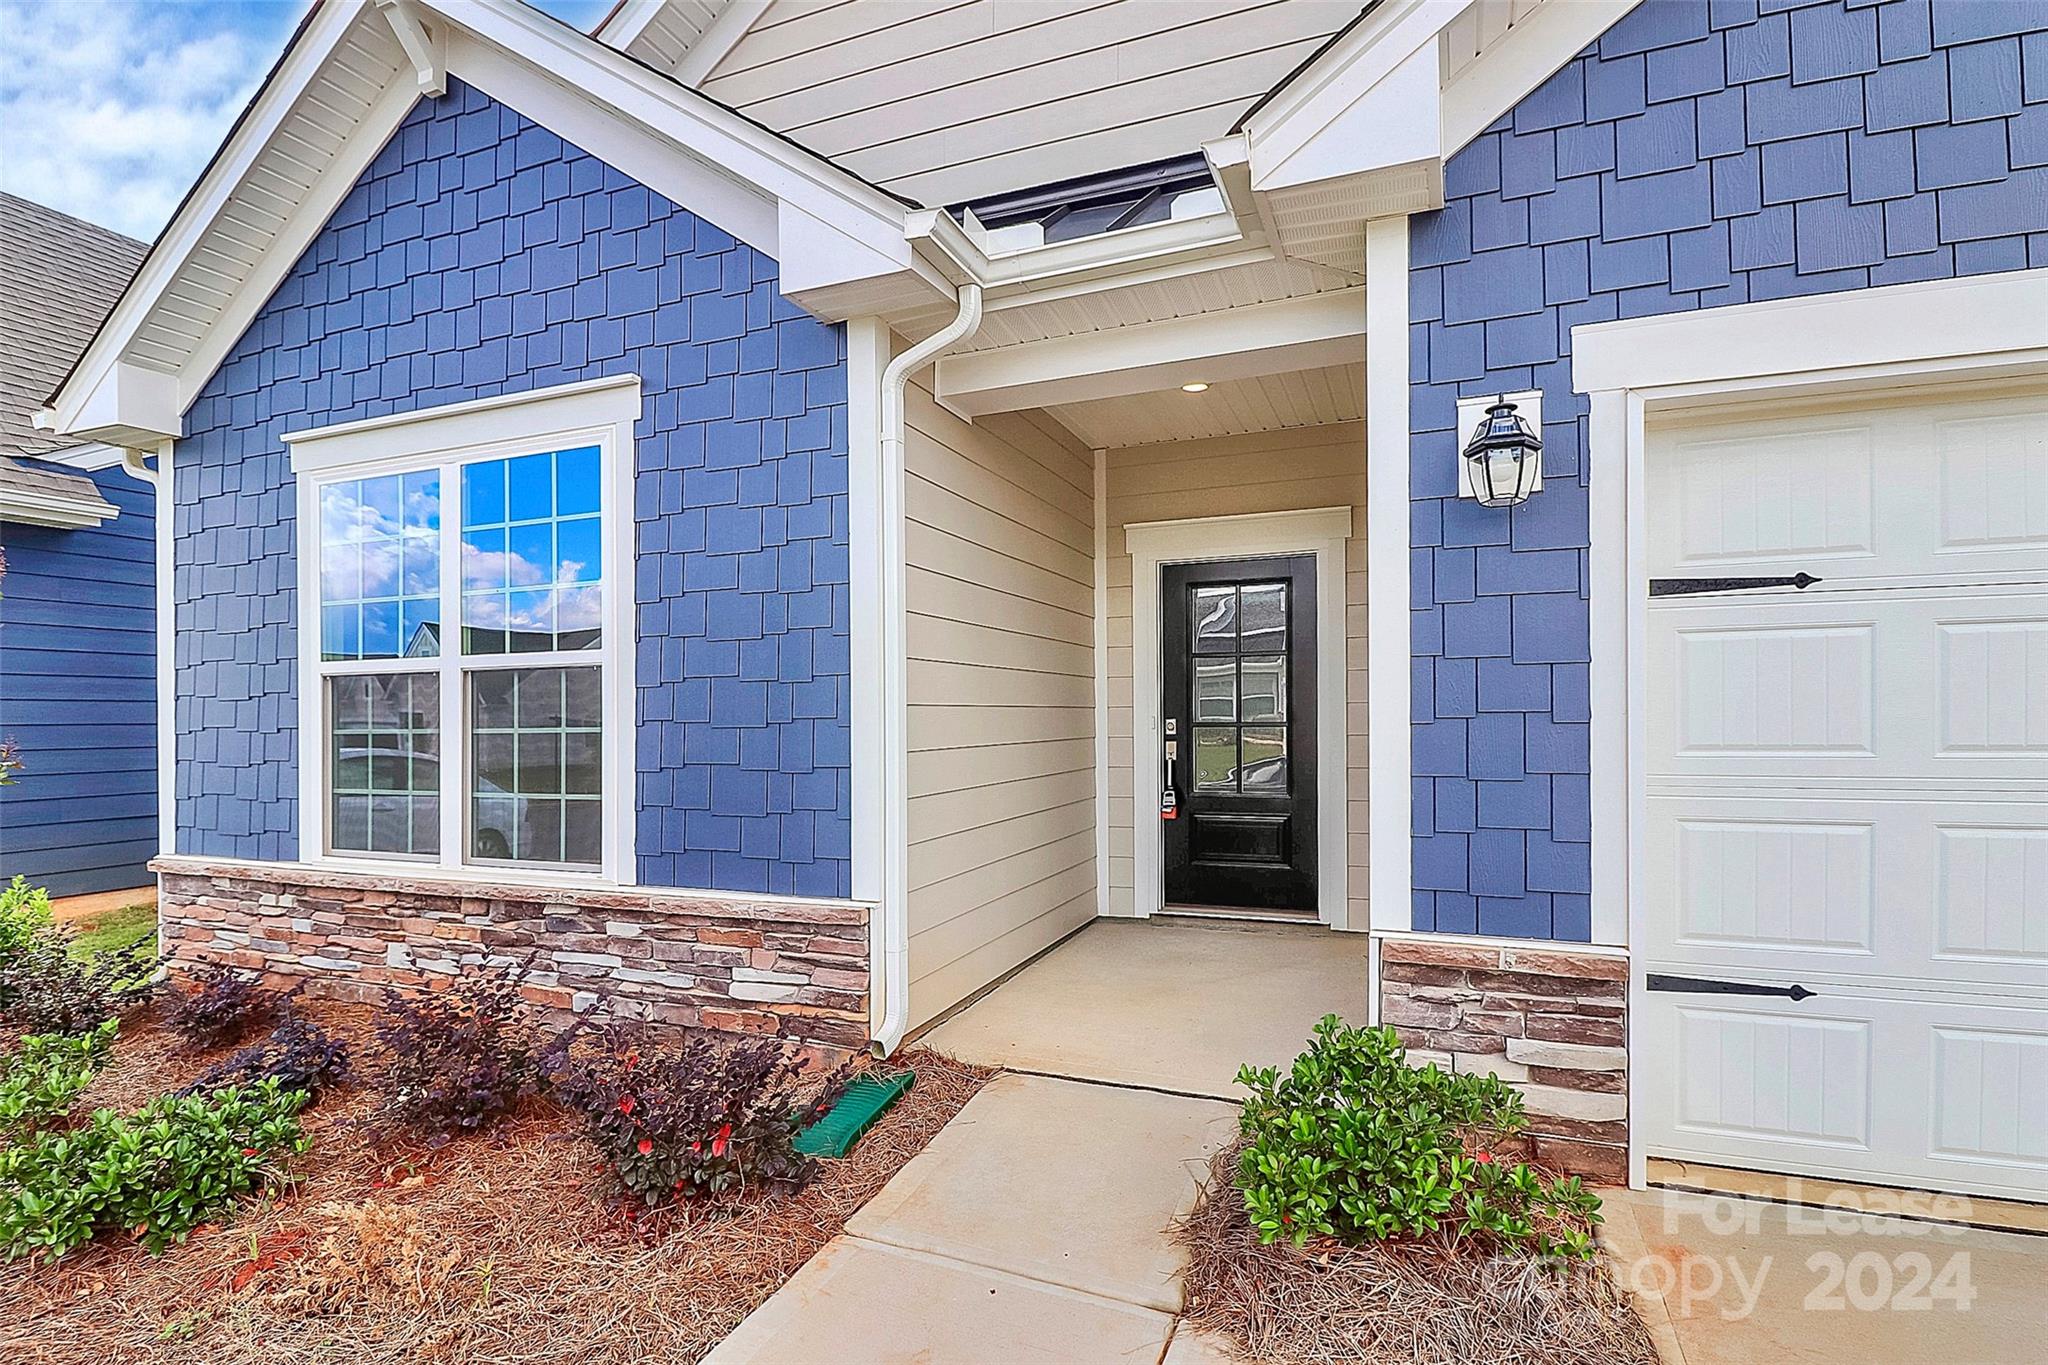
(1275, 471)
(1551, 1020)
(1000, 548)
(786, 968)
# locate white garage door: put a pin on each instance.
(1847, 794)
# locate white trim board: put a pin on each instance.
(1389, 855)
(1321, 532)
(598, 412)
(1870, 340)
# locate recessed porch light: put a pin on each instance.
(1198, 386)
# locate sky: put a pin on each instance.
(109, 109)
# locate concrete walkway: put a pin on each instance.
(1033, 1228)
(1173, 1004)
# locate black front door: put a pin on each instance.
(1239, 649)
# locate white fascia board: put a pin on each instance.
(661, 163)
(711, 131)
(628, 20)
(1394, 122)
(63, 511)
(724, 34)
(273, 103)
(1924, 323)
(1539, 44)
(703, 156)
(91, 457)
(250, 294)
(1237, 343)
(1331, 120)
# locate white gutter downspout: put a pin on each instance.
(158, 479)
(889, 936)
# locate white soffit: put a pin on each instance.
(1315, 332)
(1270, 402)
(333, 101)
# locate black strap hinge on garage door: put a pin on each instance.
(1694, 587)
(1694, 985)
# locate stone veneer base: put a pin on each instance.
(778, 967)
(1552, 1021)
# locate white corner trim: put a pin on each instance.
(869, 547)
(1869, 339)
(1321, 532)
(1101, 641)
(1389, 855)
(166, 598)
(600, 412)
(477, 422)
(1930, 321)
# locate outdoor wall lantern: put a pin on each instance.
(1502, 461)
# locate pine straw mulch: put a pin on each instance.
(1406, 1302)
(506, 1247)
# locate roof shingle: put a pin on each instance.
(59, 277)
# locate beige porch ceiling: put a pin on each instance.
(1267, 402)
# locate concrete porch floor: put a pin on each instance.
(1172, 1004)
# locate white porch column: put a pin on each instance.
(1386, 547)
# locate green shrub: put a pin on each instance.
(1355, 1144)
(39, 1081)
(159, 1174)
(24, 912)
(45, 989)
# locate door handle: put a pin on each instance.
(1695, 985)
(1694, 587)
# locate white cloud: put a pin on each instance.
(109, 109)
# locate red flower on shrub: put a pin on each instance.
(645, 1146)
(248, 1151)
(718, 1143)
(626, 1104)
(1483, 1158)
(632, 1060)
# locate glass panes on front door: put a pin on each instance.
(1240, 680)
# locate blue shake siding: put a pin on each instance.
(481, 255)
(1698, 155)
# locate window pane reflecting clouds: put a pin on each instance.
(532, 548)
(380, 567)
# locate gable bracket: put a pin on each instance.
(425, 48)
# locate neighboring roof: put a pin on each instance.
(42, 496)
(59, 277)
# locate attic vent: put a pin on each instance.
(1106, 202)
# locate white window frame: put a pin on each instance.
(598, 412)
